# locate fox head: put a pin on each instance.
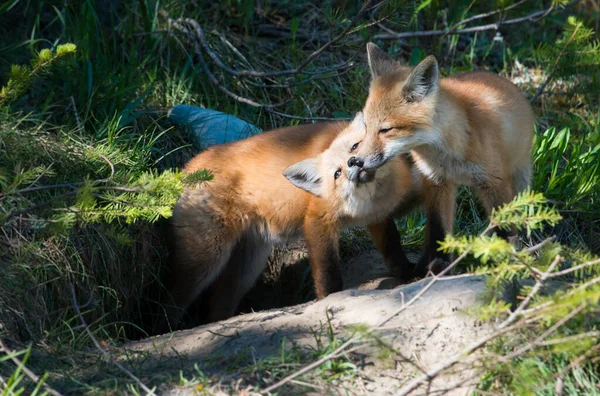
(400, 108)
(353, 191)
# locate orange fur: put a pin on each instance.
(469, 129)
(223, 230)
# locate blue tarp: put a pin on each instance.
(209, 127)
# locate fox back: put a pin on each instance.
(267, 189)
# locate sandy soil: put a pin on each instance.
(436, 327)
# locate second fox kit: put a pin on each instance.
(469, 129)
(223, 230)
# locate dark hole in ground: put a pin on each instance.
(287, 280)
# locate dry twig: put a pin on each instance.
(308, 368)
(491, 26)
(107, 355)
(551, 74)
(34, 377)
(485, 15)
(539, 282)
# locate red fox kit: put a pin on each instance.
(223, 230)
(469, 129)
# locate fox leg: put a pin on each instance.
(521, 178)
(201, 242)
(248, 260)
(440, 202)
(495, 194)
(322, 239)
(387, 240)
(192, 269)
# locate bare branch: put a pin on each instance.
(485, 15)
(530, 346)
(107, 355)
(491, 26)
(431, 374)
(576, 268)
(540, 245)
(339, 70)
(293, 117)
(211, 76)
(549, 78)
(570, 338)
(311, 366)
(253, 73)
(539, 282)
(35, 378)
(35, 207)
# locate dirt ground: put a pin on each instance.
(436, 327)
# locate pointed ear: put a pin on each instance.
(422, 81)
(379, 62)
(305, 175)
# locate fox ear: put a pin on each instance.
(422, 81)
(305, 175)
(379, 62)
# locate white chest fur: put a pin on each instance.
(439, 165)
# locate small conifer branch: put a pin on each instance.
(22, 76)
(433, 280)
(593, 351)
(433, 373)
(539, 282)
(543, 336)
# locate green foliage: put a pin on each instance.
(78, 212)
(556, 298)
(68, 218)
(526, 211)
(327, 342)
(568, 165)
(198, 177)
(577, 49)
(21, 76)
(13, 385)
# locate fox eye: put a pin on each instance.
(384, 130)
(337, 174)
(354, 147)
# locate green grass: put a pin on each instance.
(105, 106)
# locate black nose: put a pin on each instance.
(353, 161)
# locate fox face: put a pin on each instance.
(400, 108)
(353, 191)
